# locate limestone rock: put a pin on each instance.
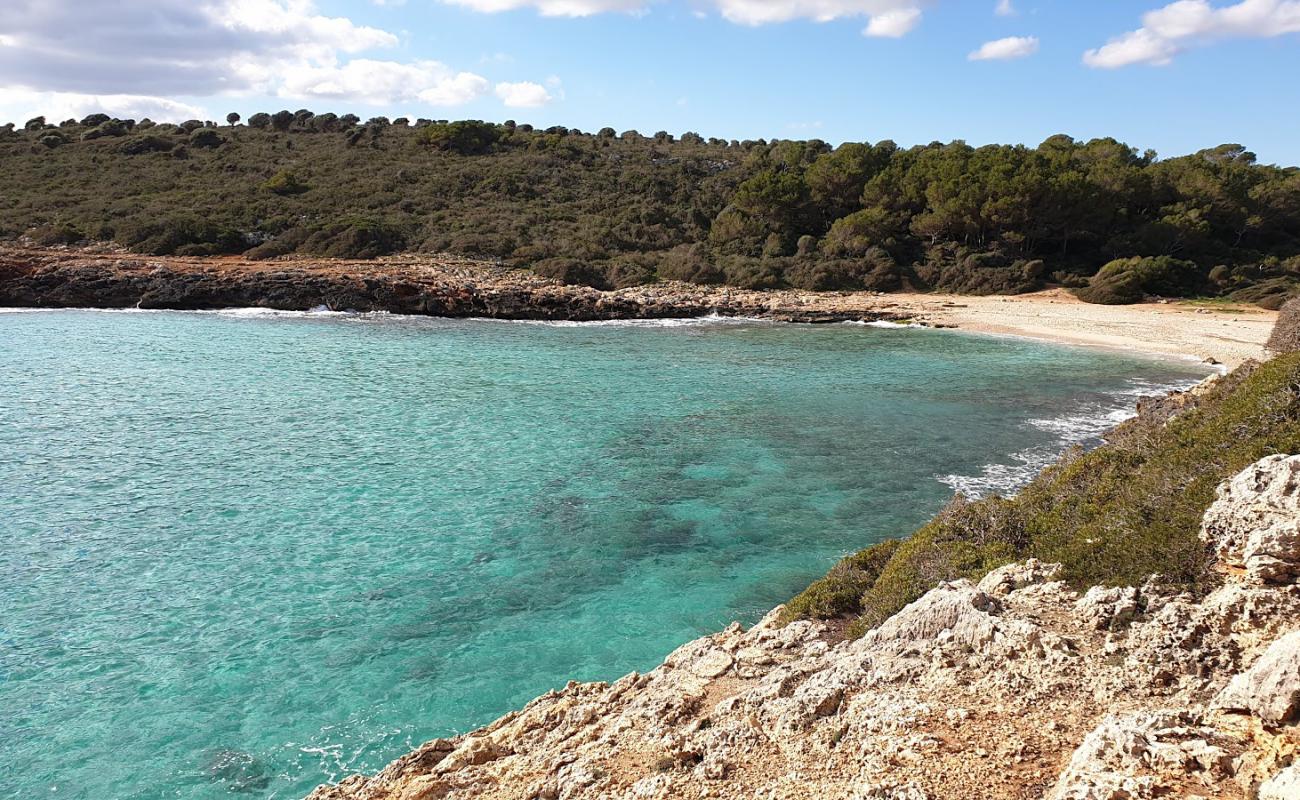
(1135, 755)
(1254, 523)
(1270, 689)
(1109, 607)
(1283, 786)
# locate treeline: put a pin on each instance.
(619, 209)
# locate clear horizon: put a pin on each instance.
(1175, 78)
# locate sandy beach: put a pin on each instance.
(1228, 334)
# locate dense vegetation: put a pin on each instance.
(1112, 516)
(621, 209)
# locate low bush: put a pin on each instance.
(840, 592)
(139, 145)
(355, 238)
(1113, 516)
(56, 233)
(1129, 280)
(180, 235)
(285, 183)
(573, 272)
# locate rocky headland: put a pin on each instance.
(1015, 686)
(61, 277)
(434, 286)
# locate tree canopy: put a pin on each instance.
(619, 209)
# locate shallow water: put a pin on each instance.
(249, 553)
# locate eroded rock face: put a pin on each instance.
(1270, 689)
(1254, 523)
(1143, 754)
(1283, 786)
(1012, 687)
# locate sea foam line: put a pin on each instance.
(1084, 426)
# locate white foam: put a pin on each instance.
(668, 322)
(884, 323)
(1085, 424)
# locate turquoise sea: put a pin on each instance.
(244, 553)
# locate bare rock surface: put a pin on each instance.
(1012, 687)
(1254, 523)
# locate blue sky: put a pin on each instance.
(1174, 77)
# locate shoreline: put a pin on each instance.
(1217, 333)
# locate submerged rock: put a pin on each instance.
(238, 771)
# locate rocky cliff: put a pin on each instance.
(445, 287)
(1013, 687)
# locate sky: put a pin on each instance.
(1174, 77)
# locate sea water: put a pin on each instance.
(245, 553)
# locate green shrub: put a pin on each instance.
(180, 235)
(138, 145)
(56, 233)
(572, 272)
(206, 138)
(355, 238)
(1113, 516)
(282, 245)
(689, 263)
(466, 137)
(1129, 280)
(840, 592)
(285, 183)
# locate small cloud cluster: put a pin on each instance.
(524, 94)
(886, 18)
(129, 57)
(1006, 49)
(1170, 30)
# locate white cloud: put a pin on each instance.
(23, 104)
(886, 15)
(892, 18)
(1006, 49)
(553, 8)
(1005, 8)
(893, 24)
(129, 55)
(364, 80)
(523, 94)
(1170, 30)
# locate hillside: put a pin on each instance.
(614, 210)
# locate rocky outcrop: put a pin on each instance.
(1014, 686)
(444, 287)
(1286, 332)
(1270, 689)
(1254, 523)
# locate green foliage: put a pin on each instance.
(782, 213)
(1113, 516)
(56, 233)
(206, 138)
(573, 272)
(139, 145)
(1129, 280)
(285, 183)
(183, 235)
(467, 137)
(360, 237)
(840, 592)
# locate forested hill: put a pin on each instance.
(614, 209)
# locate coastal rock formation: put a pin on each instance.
(1254, 524)
(1015, 686)
(1286, 332)
(444, 287)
